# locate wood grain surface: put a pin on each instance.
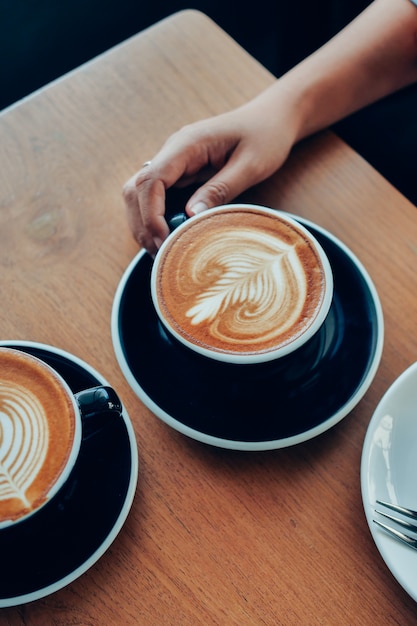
(213, 536)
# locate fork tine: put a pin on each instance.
(412, 543)
(401, 522)
(399, 509)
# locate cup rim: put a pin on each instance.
(258, 357)
(76, 441)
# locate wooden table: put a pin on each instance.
(213, 536)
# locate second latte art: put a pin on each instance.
(38, 432)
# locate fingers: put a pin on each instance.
(236, 176)
(221, 153)
(145, 196)
(145, 204)
(180, 161)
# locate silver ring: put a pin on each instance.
(146, 163)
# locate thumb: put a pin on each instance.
(222, 188)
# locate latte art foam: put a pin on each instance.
(37, 432)
(246, 278)
(239, 280)
(24, 437)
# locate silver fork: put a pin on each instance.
(411, 541)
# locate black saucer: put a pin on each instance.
(253, 407)
(60, 542)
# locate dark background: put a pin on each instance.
(42, 39)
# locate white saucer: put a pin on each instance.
(389, 470)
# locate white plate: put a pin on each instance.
(389, 470)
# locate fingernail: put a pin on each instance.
(157, 242)
(199, 207)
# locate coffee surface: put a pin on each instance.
(240, 282)
(37, 425)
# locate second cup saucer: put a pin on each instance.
(254, 407)
(69, 534)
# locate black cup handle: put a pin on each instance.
(97, 400)
(175, 200)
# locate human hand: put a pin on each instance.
(228, 154)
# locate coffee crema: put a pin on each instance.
(37, 429)
(240, 280)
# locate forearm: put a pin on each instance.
(372, 57)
